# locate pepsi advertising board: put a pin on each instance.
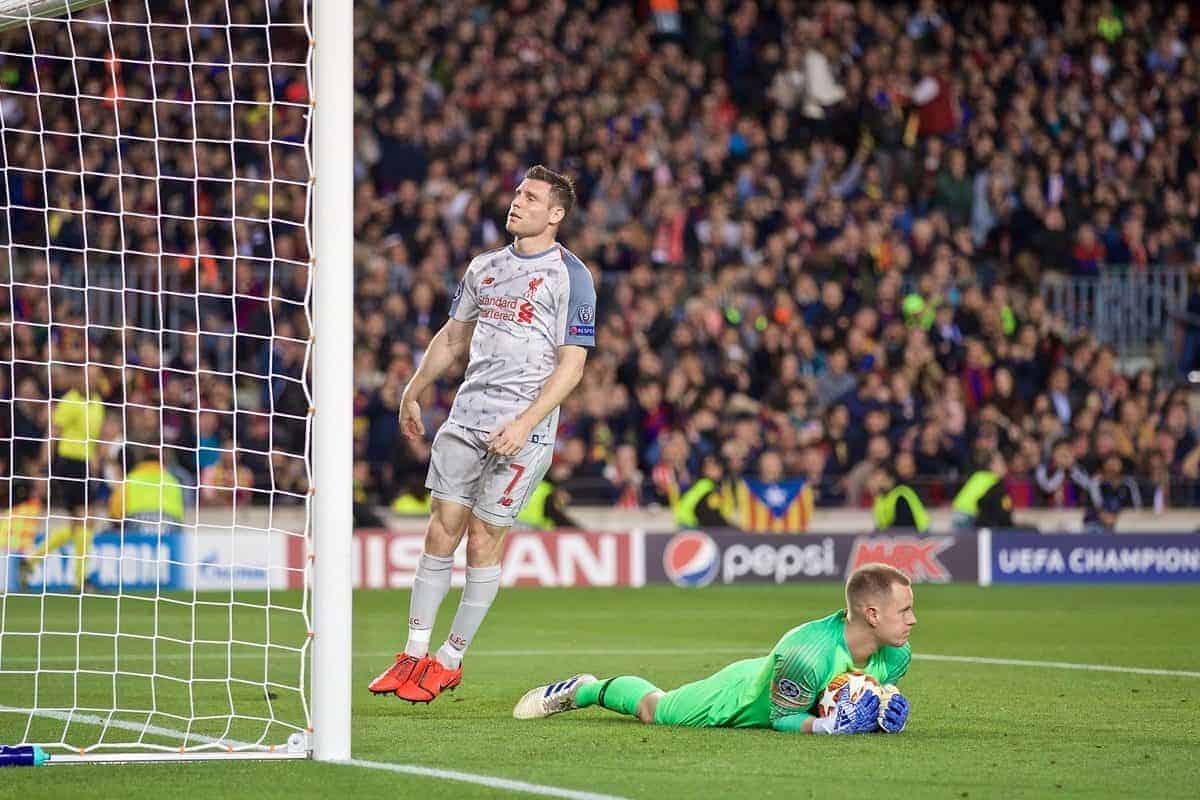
(693, 559)
(1093, 558)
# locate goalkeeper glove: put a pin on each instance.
(894, 715)
(850, 717)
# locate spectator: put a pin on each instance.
(625, 478)
(896, 505)
(983, 500)
(836, 381)
(704, 503)
(1112, 492)
(77, 418)
(996, 505)
(1088, 253)
(1061, 481)
(878, 454)
(150, 495)
(546, 508)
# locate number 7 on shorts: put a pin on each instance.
(518, 471)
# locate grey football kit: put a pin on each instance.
(525, 308)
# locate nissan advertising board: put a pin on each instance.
(383, 559)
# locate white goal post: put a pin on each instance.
(334, 327)
(176, 329)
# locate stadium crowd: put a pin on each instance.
(817, 230)
(156, 262)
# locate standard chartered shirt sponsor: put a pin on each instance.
(525, 308)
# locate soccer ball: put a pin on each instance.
(855, 682)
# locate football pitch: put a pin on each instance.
(981, 726)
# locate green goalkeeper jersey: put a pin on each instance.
(783, 685)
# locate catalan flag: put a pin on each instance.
(785, 507)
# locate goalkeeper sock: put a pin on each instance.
(430, 586)
(616, 694)
(483, 583)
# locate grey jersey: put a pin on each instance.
(525, 308)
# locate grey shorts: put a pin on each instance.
(494, 487)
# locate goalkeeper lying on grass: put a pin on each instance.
(781, 690)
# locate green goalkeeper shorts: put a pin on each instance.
(712, 702)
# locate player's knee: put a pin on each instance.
(484, 543)
(444, 531)
(647, 706)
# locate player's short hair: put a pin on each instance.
(562, 188)
(870, 581)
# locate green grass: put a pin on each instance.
(976, 730)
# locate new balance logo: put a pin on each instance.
(488, 281)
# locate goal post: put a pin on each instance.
(176, 294)
(333, 320)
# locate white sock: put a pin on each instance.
(430, 586)
(483, 583)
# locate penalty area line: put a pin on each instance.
(1019, 662)
(479, 780)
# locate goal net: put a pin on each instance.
(155, 344)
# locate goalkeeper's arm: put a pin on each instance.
(871, 713)
(887, 713)
(794, 689)
(861, 716)
(794, 723)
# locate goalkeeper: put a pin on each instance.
(780, 690)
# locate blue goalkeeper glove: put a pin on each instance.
(894, 716)
(850, 717)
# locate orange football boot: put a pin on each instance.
(398, 673)
(429, 681)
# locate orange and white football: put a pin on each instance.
(855, 682)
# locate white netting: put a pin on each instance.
(154, 350)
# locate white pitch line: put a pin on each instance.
(481, 780)
(105, 722)
(748, 651)
(409, 769)
(1018, 662)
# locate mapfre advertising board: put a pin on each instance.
(383, 559)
